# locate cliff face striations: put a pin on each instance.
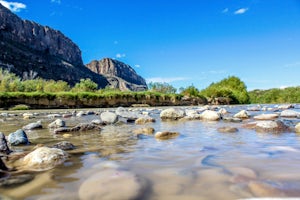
(31, 50)
(119, 74)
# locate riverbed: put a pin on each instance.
(200, 163)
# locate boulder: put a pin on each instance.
(271, 126)
(210, 115)
(4, 149)
(111, 184)
(109, 117)
(166, 135)
(297, 128)
(57, 124)
(290, 113)
(43, 158)
(18, 137)
(172, 114)
(34, 125)
(228, 129)
(266, 116)
(243, 114)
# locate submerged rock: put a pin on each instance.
(210, 115)
(79, 127)
(34, 125)
(57, 124)
(4, 149)
(146, 130)
(18, 137)
(43, 158)
(262, 189)
(232, 119)
(109, 117)
(144, 120)
(243, 114)
(64, 145)
(16, 180)
(228, 129)
(111, 184)
(172, 114)
(166, 135)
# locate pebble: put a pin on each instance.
(227, 129)
(64, 145)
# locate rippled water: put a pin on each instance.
(201, 163)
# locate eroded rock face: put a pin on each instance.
(31, 50)
(119, 74)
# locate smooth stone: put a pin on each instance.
(285, 106)
(210, 115)
(4, 149)
(297, 128)
(166, 135)
(34, 125)
(144, 120)
(243, 114)
(64, 145)
(172, 114)
(18, 137)
(266, 116)
(131, 116)
(80, 114)
(43, 158)
(109, 117)
(146, 130)
(270, 126)
(232, 119)
(227, 129)
(111, 184)
(57, 124)
(261, 189)
(12, 181)
(290, 113)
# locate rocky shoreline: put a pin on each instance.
(19, 157)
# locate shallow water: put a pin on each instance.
(201, 163)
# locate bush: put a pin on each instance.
(20, 107)
(85, 85)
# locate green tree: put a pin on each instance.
(162, 88)
(85, 85)
(191, 91)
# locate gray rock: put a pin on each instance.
(271, 126)
(4, 149)
(243, 114)
(64, 145)
(131, 116)
(172, 114)
(57, 124)
(109, 117)
(290, 113)
(79, 127)
(43, 158)
(111, 184)
(18, 137)
(34, 125)
(210, 115)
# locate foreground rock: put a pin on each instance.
(109, 117)
(34, 125)
(297, 128)
(18, 137)
(4, 149)
(12, 181)
(79, 127)
(57, 124)
(172, 114)
(166, 135)
(43, 158)
(111, 184)
(210, 115)
(271, 126)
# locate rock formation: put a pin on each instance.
(30, 50)
(119, 74)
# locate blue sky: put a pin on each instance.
(183, 42)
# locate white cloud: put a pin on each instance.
(119, 55)
(165, 80)
(13, 6)
(241, 11)
(56, 1)
(225, 10)
(137, 66)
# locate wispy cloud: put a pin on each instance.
(225, 10)
(241, 11)
(290, 65)
(217, 72)
(56, 1)
(165, 79)
(13, 6)
(137, 66)
(120, 55)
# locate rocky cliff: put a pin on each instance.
(119, 74)
(31, 50)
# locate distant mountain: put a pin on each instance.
(118, 74)
(31, 50)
